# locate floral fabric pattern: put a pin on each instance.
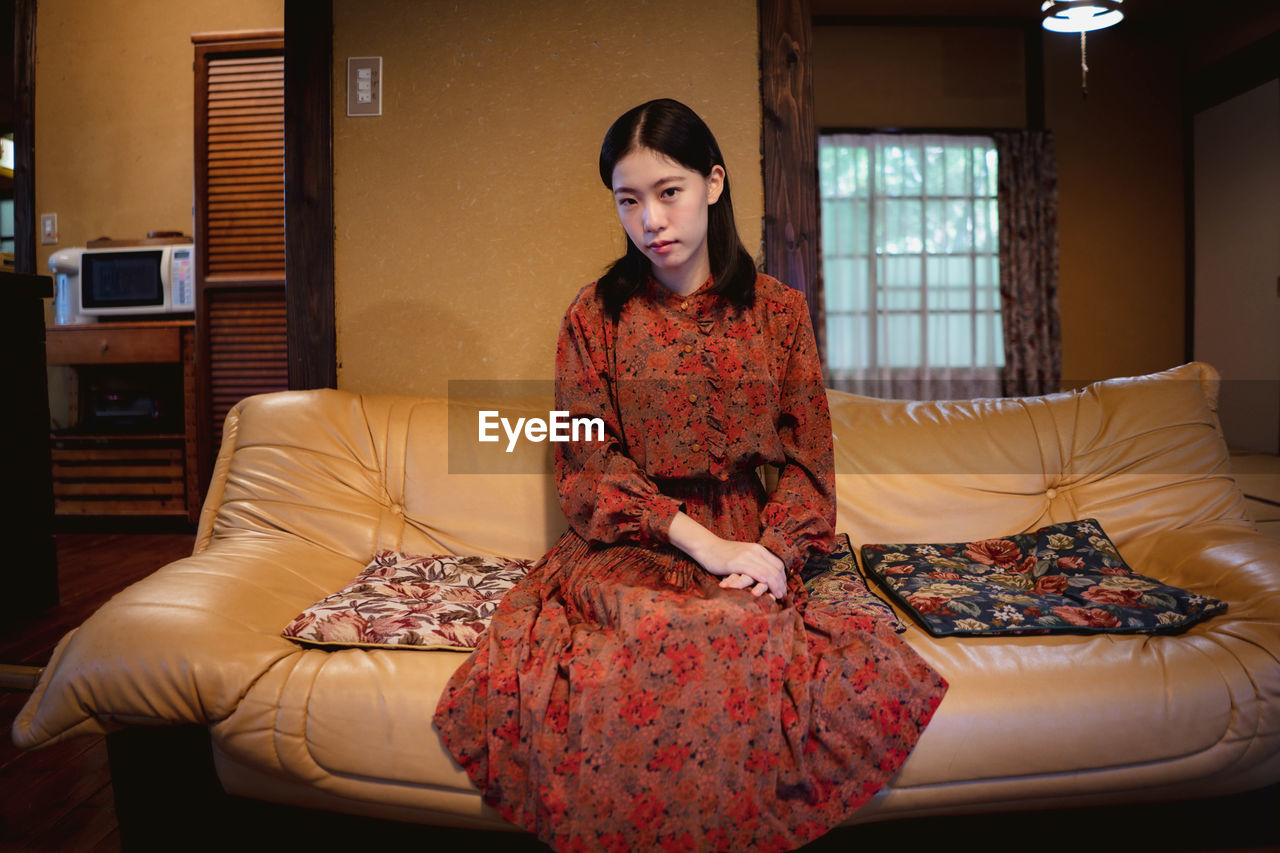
(835, 581)
(1027, 196)
(1066, 578)
(411, 602)
(692, 388)
(621, 699)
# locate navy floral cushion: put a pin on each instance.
(1065, 578)
(833, 580)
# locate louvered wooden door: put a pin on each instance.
(241, 338)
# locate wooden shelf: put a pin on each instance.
(135, 473)
(119, 475)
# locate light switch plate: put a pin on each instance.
(48, 229)
(364, 85)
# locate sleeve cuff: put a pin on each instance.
(655, 525)
(792, 557)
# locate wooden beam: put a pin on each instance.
(790, 150)
(308, 193)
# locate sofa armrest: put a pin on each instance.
(1232, 561)
(183, 645)
(1228, 559)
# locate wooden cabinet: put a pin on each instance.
(145, 468)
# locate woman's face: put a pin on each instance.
(663, 208)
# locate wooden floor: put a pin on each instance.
(60, 798)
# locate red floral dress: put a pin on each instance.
(620, 699)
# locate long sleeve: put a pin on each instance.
(604, 494)
(800, 515)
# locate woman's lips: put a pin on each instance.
(661, 247)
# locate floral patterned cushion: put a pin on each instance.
(1066, 578)
(408, 601)
(835, 581)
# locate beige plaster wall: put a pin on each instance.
(114, 100)
(1120, 180)
(934, 77)
(471, 211)
(1121, 213)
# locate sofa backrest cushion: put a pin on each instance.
(359, 474)
(1139, 454)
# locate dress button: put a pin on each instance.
(693, 398)
(695, 447)
(1051, 494)
(688, 348)
(684, 305)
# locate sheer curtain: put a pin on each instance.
(911, 265)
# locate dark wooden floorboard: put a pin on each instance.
(91, 568)
(109, 844)
(60, 798)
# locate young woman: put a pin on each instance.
(658, 680)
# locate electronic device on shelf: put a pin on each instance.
(127, 278)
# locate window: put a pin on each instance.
(6, 225)
(910, 253)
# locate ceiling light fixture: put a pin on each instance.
(1080, 16)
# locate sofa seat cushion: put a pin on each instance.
(1024, 716)
(1064, 578)
(411, 601)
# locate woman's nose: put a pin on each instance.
(653, 219)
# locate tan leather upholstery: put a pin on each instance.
(309, 484)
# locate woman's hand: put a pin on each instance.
(737, 581)
(741, 564)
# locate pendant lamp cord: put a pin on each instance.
(1084, 68)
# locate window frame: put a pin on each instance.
(893, 374)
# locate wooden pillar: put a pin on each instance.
(308, 196)
(790, 151)
(24, 137)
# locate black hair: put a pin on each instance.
(670, 128)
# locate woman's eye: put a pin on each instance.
(626, 202)
(670, 192)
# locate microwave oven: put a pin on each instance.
(125, 280)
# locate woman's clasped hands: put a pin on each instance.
(752, 566)
(740, 565)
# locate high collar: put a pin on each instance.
(701, 298)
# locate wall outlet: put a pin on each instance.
(48, 229)
(364, 86)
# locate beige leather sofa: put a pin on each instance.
(309, 484)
